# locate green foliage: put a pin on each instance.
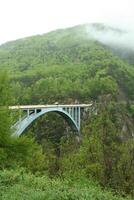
(19, 185)
(132, 110)
(105, 154)
(24, 152)
(64, 64)
(4, 116)
(67, 66)
(15, 151)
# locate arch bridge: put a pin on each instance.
(71, 113)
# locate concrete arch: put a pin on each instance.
(23, 123)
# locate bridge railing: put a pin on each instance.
(72, 114)
(23, 107)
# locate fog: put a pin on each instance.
(111, 35)
(19, 19)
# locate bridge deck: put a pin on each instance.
(23, 107)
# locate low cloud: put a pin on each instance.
(120, 37)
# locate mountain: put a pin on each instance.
(90, 62)
(79, 64)
(73, 63)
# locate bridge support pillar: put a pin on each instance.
(28, 113)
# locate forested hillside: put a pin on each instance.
(65, 64)
(70, 66)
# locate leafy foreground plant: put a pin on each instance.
(18, 185)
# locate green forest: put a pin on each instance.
(49, 160)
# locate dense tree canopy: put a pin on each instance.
(69, 66)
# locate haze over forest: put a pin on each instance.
(90, 63)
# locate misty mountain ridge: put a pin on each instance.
(83, 65)
(77, 63)
(118, 40)
(88, 48)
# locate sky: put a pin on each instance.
(22, 18)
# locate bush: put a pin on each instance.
(21, 185)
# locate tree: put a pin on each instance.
(4, 112)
